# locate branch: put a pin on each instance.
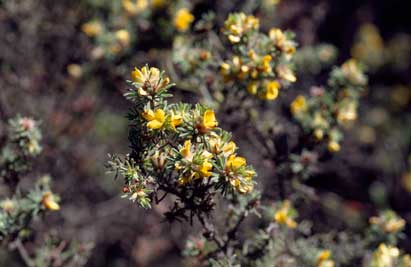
(23, 252)
(211, 232)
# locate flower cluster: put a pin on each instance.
(18, 208)
(239, 26)
(389, 256)
(387, 227)
(118, 32)
(329, 108)
(388, 222)
(17, 212)
(177, 148)
(260, 62)
(372, 50)
(24, 143)
(25, 133)
(369, 45)
(110, 42)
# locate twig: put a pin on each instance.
(23, 252)
(212, 232)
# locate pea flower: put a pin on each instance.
(298, 105)
(388, 221)
(271, 92)
(353, 73)
(238, 24)
(134, 8)
(333, 146)
(49, 202)
(323, 259)
(183, 19)
(195, 165)
(284, 215)
(208, 121)
(155, 118)
(175, 120)
(239, 176)
(92, 28)
(385, 256)
(149, 80)
(123, 36)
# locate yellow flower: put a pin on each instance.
(241, 187)
(394, 225)
(369, 46)
(266, 63)
(158, 3)
(33, 147)
(347, 113)
(123, 37)
(277, 36)
(282, 216)
(184, 180)
(271, 2)
(286, 74)
(319, 121)
(318, 134)
(244, 69)
(229, 148)
(323, 259)
(324, 255)
(352, 72)
(205, 168)
(183, 19)
(333, 146)
(175, 120)
(251, 22)
(298, 105)
(252, 88)
(92, 28)
(327, 263)
(234, 162)
(74, 70)
(134, 8)
(385, 256)
(388, 222)
(245, 188)
(145, 74)
(149, 77)
(209, 121)
(186, 150)
(225, 69)
(281, 42)
(234, 39)
(239, 178)
(49, 202)
(197, 170)
(238, 25)
(252, 54)
(216, 145)
(156, 119)
(406, 260)
(7, 205)
(115, 49)
(271, 92)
